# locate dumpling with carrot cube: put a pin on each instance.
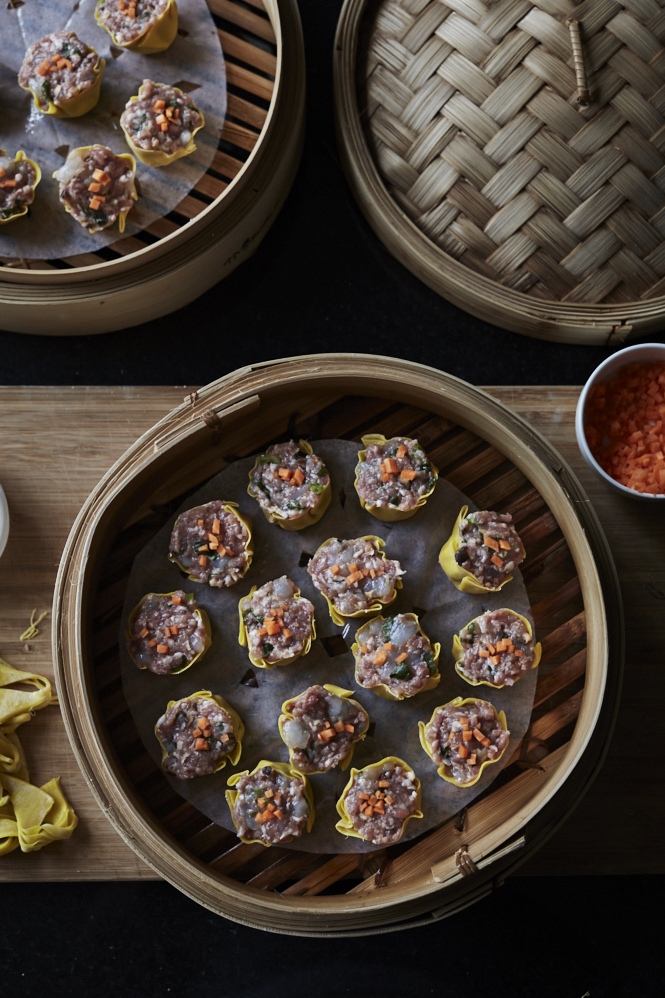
(97, 187)
(495, 649)
(482, 552)
(160, 124)
(212, 543)
(167, 632)
(276, 623)
(394, 478)
(394, 657)
(291, 485)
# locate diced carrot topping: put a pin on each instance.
(262, 630)
(261, 816)
(379, 658)
(463, 720)
(483, 654)
(278, 813)
(338, 726)
(224, 738)
(176, 600)
(391, 465)
(199, 522)
(162, 649)
(121, 4)
(152, 643)
(203, 560)
(326, 734)
(363, 796)
(463, 751)
(104, 179)
(379, 808)
(144, 633)
(230, 552)
(385, 478)
(491, 648)
(286, 633)
(334, 569)
(261, 801)
(298, 477)
(164, 126)
(472, 759)
(272, 627)
(388, 646)
(95, 203)
(402, 451)
(353, 567)
(61, 63)
(349, 727)
(495, 659)
(197, 732)
(354, 577)
(369, 812)
(202, 745)
(44, 67)
(269, 793)
(94, 187)
(490, 542)
(372, 573)
(407, 475)
(131, 13)
(467, 735)
(504, 545)
(2, 171)
(496, 560)
(389, 800)
(518, 653)
(271, 806)
(384, 783)
(216, 526)
(500, 645)
(372, 799)
(326, 724)
(282, 472)
(402, 657)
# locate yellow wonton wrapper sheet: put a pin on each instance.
(262, 663)
(459, 651)
(341, 618)
(197, 613)
(23, 210)
(155, 38)
(444, 770)
(389, 514)
(228, 507)
(308, 516)
(81, 150)
(345, 824)
(41, 815)
(381, 689)
(337, 691)
(155, 157)
(460, 577)
(17, 706)
(80, 103)
(238, 727)
(285, 770)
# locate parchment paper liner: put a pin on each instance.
(262, 663)
(345, 824)
(238, 728)
(384, 691)
(389, 514)
(443, 769)
(459, 652)
(288, 716)
(304, 519)
(285, 770)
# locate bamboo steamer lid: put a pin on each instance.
(465, 143)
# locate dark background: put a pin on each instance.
(320, 281)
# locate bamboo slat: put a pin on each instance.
(438, 99)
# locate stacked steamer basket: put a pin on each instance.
(217, 225)
(500, 463)
(465, 144)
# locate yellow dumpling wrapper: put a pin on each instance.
(17, 706)
(200, 613)
(156, 38)
(228, 507)
(308, 516)
(23, 210)
(463, 580)
(238, 726)
(285, 770)
(459, 651)
(337, 691)
(381, 689)
(155, 157)
(32, 807)
(389, 514)
(12, 757)
(345, 824)
(459, 702)
(262, 663)
(341, 618)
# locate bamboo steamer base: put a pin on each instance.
(217, 226)
(467, 151)
(501, 463)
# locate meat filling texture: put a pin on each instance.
(277, 624)
(490, 547)
(117, 17)
(58, 67)
(270, 806)
(162, 118)
(17, 184)
(353, 574)
(380, 800)
(498, 648)
(97, 185)
(196, 734)
(166, 633)
(396, 473)
(463, 737)
(209, 542)
(323, 728)
(395, 654)
(288, 480)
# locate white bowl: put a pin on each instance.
(4, 521)
(603, 373)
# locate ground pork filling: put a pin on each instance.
(97, 186)
(17, 184)
(196, 734)
(287, 480)
(209, 542)
(498, 648)
(323, 728)
(380, 800)
(57, 68)
(125, 26)
(396, 473)
(277, 624)
(490, 547)
(162, 118)
(166, 634)
(394, 653)
(270, 807)
(353, 574)
(462, 738)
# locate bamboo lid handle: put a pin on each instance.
(583, 95)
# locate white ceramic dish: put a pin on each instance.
(604, 372)
(4, 521)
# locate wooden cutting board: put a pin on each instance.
(56, 443)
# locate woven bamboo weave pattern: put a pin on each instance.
(470, 108)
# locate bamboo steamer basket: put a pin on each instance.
(465, 145)
(219, 223)
(501, 463)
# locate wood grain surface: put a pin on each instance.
(55, 445)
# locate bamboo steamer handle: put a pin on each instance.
(583, 95)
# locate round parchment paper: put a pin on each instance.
(194, 63)
(426, 591)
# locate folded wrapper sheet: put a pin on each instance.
(226, 669)
(194, 62)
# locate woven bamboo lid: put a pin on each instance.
(468, 150)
